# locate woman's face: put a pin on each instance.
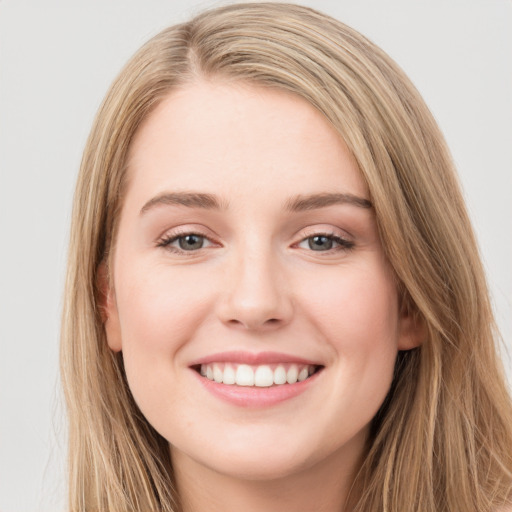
(248, 251)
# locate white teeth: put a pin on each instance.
(229, 375)
(244, 375)
(259, 376)
(303, 374)
(280, 375)
(217, 373)
(292, 374)
(263, 377)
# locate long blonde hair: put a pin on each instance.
(442, 441)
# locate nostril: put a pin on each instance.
(255, 324)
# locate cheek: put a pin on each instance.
(358, 318)
(362, 300)
(357, 313)
(158, 306)
(159, 311)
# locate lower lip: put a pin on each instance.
(252, 396)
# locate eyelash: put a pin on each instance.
(166, 241)
(343, 243)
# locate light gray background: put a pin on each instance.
(57, 59)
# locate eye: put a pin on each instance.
(323, 242)
(186, 242)
(190, 242)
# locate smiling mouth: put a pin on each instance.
(262, 376)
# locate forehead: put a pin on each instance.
(208, 136)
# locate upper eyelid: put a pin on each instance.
(192, 229)
(333, 231)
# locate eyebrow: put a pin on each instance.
(314, 201)
(296, 204)
(188, 199)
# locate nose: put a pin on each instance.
(256, 295)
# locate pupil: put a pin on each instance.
(320, 243)
(190, 242)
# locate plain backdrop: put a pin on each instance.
(57, 59)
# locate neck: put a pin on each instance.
(323, 487)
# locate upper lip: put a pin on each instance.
(252, 358)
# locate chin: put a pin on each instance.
(262, 468)
(262, 459)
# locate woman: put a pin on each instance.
(274, 297)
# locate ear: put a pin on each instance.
(412, 329)
(108, 308)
